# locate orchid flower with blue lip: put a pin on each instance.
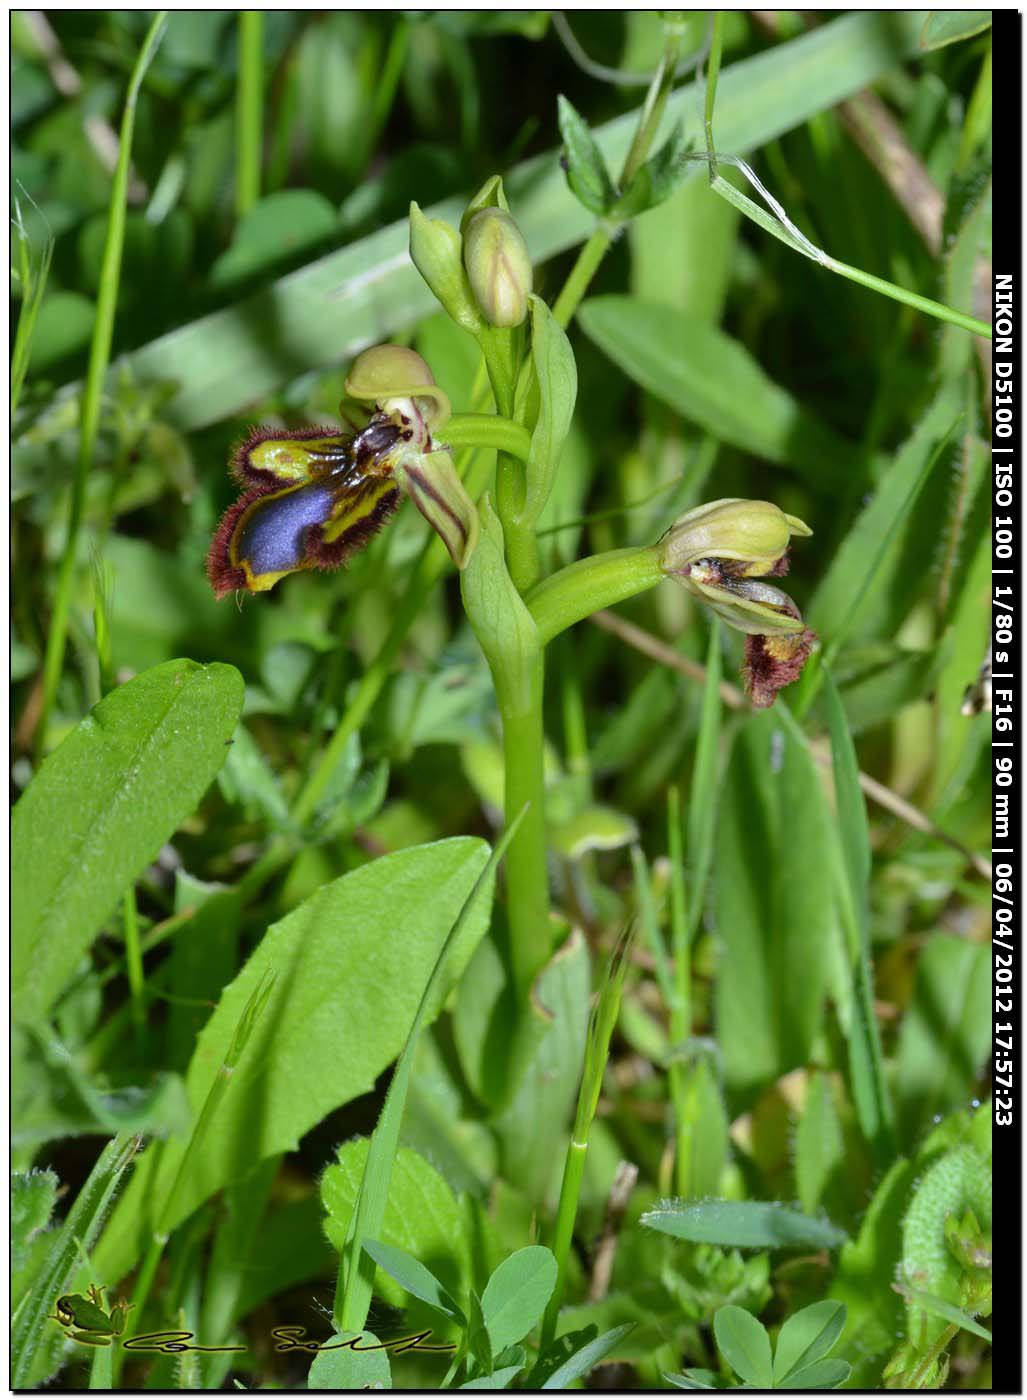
(314, 496)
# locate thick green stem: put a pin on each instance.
(486, 430)
(519, 694)
(593, 250)
(597, 582)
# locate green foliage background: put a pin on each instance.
(171, 916)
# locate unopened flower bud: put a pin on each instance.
(435, 250)
(498, 266)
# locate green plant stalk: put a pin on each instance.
(99, 358)
(486, 430)
(597, 245)
(134, 962)
(249, 110)
(712, 74)
(590, 584)
(502, 349)
(519, 697)
(936, 309)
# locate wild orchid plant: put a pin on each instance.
(314, 496)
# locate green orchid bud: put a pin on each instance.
(436, 252)
(498, 266)
(717, 551)
(754, 534)
(399, 381)
(432, 483)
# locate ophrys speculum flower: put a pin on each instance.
(721, 553)
(315, 496)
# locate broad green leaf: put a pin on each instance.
(33, 1195)
(945, 1033)
(744, 1344)
(62, 328)
(348, 1369)
(586, 169)
(353, 1286)
(819, 1146)
(331, 309)
(351, 964)
(958, 1181)
(412, 1275)
(503, 625)
(101, 807)
(499, 1380)
(743, 1225)
(822, 1375)
(80, 1228)
(289, 1248)
(594, 828)
(279, 228)
(584, 1359)
(556, 382)
(949, 26)
(683, 252)
(805, 1337)
(773, 903)
(516, 1295)
(712, 380)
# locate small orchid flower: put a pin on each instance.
(314, 496)
(718, 552)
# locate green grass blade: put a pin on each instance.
(79, 1230)
(866, 1067)
(356, 1274)
(99, 358)
(702, 800)
(249, 115)
(33, 285)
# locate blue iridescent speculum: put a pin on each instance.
(314, 496)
